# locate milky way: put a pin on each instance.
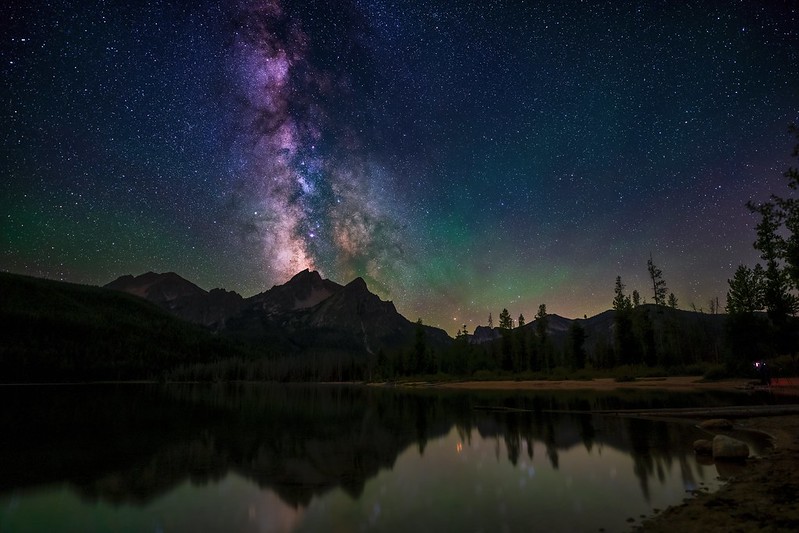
(309, 192)
(462, 157)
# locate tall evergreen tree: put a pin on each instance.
(789, 211)
(624, 339)
(658, 283)
(577, 345)
(777, 297)
(636, 298)
(505, 321)
(541, 321)
(620, 301)
(645, 332)
(746, 294)
(747, 334)
(520, 355)
(778, 243)
(544, 350)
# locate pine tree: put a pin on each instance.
(672, 301)
(620, 301)
(505, 327)
(636, 298)
(658, 284)
(544, 351)
(778, 243)
(746, 334)
(577, 345)
(541, 321)
(746, 294)
(505, 321)
(624, 339)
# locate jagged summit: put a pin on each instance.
(305, 276)
(307, 312)
(305, 289)
(358, 284)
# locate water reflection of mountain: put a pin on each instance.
(132, 443)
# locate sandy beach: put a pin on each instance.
(763, 496)
(679, 383)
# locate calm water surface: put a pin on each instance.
(326, 458)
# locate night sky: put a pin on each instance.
(461, 156)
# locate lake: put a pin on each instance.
(253, 457)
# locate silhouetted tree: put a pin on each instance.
(542, 336)
(780, 304)
(746, 294)
(672, 301)
(624, 339)
(636, 298)
(620, 301)
(520, 356)
(746, 333)
(645, 331)
(577, 345)
(505, 320)
(778, 243)
(658, 284)
(787, 210)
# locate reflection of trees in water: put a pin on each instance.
(513, 439)
(587, 432)
(654, 447)
(132, 443)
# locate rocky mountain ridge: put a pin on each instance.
(307, 313)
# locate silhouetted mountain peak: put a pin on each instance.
(305, 277)
(305, 289)
(357, 285)
(181, 297)
(348, 316)
(156, 287)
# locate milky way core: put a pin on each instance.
(309, 192)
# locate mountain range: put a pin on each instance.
(307, 313)
(162, 326)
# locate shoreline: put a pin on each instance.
(673, 383)
(764, 496)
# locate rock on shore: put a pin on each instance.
(725, 447)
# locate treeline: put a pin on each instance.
(660, 338)
(762, 301)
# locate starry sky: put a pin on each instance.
(460, 156)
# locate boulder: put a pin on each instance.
(725, 447)
(716, 423)
(703, 447)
